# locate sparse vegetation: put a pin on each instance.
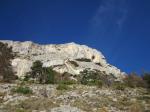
(44, 75)
(31, 104)
(22, 90)
(88, 77)
(136, 107)
(2, 94)
(100, 91)
(62, 86)
(91, 78)
(103, 109)
(146, 78)
(68, 82)
(133, 80)
(6, 71)
(82, 104)
(81, 97)
(20, 110)
(37, 104)
(119, 86)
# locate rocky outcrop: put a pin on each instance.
(70, 57)
(79, 98)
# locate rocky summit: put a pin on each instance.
(70, 57)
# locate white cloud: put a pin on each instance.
(110, 14)
(107, 23)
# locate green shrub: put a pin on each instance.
(99, 84)
(119, 86)
(68, 82)
(26, 78)
(146, 78)
(20, 110)
(88, 77)
(49, 75)
(43, 75)
(62, 87)
(6, 70)
(96, 78)
(91, 78)
(22, 90)
(94, 83)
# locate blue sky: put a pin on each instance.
(120, 29)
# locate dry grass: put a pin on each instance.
(90, 99)
(83, 105)
(31, 104)
(103, 109)
(136, 107)
(2, 94)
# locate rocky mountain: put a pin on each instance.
(71, 58)
(96, 88)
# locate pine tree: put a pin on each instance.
(6, 71)
(42, 74)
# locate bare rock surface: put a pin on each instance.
(59, 56)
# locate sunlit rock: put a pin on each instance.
(71, 57)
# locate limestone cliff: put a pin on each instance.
(70, 57)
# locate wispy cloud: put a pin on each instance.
(110, 15)
(107, 23)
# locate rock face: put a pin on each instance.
(71, 58)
